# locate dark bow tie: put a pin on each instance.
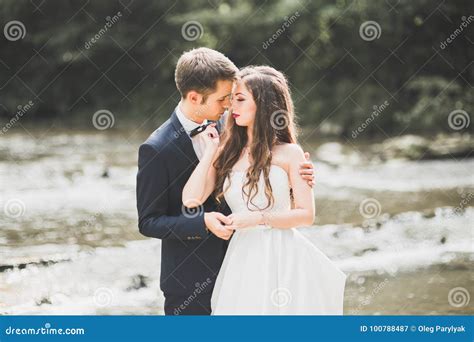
(200, 129)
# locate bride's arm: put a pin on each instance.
(303, 212)
(202, 181)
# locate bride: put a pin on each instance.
(270, 267)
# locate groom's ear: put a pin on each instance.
(194, 97)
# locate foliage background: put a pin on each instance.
(337, 77)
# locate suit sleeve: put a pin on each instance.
(152, 201)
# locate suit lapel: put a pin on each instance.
(182, 140)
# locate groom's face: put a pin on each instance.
(217, 102)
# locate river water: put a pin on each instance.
(69, 242)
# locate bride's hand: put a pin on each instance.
(211, 139)
(244, 220)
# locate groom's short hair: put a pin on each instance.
(200, 69)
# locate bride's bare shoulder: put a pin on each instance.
(284, 149)
(286, 154)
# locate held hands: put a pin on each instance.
(216, 223)
(244, 220)
(223, 226)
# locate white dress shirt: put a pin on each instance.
(189, 125)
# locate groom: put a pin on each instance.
(194, 242)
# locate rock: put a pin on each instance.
(366, 250)
(23, 264)
(334, 153)
(449, 146)
(405, 147)
(44, 300)
(139, 281)
(105, 173)
(428, 213)
(415, 147)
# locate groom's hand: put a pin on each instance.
(216, 222)
(307, 170)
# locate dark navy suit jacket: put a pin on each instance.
(190, 257)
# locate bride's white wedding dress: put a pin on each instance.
(271, 271)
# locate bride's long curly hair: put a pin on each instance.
(274, 124)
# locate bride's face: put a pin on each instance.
(243, 105)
